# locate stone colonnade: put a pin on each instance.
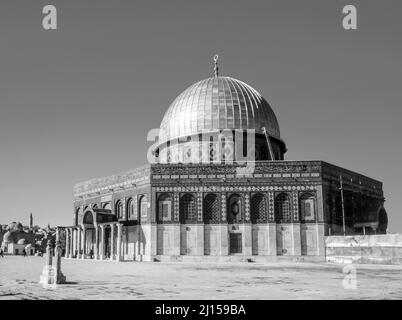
(99, 241)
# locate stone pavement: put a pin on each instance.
(87, 279)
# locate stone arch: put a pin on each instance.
(143, 206)
(283, 208)
(188, 208)
(259, 208)
(382, 221)
(118, 209)
(88, 218)
(131, 210)
(307, 207)
(107, 206)
(164, 208)
(212, 208)
(76, 215)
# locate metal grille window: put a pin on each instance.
(211, 209)
(282, 207)
(259, 212)
(188, 209)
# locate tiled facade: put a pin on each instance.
(207, 211)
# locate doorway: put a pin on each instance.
(235, 243)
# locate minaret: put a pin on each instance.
(30, 221)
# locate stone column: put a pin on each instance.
(71, 231)
(102, 244)
(112, 242)
(96, 251)
(84, 245)
(60, 278)
(49, 255)
(79, 236)
(67, 254)
(119, 229)
(74, 241)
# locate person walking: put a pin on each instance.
(24, 253)
(1, 253)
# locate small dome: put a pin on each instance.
(8, 237)
(14, 226)
(22, 241)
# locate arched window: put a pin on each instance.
(119, 210)
(107, 206)
(165, 207)
(307, 207)
(235, 210)
(131, 210)
(211, 209)
(258, 209)
(88, 218)
(282, 208)
(188, 209)
(143, 205)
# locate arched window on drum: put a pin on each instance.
(307, 207)
(282, 208)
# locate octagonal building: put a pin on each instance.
(220, 189)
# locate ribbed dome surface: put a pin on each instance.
(214, 104)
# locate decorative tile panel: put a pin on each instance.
(176, 201)
(295, 206)
(271, 206)
(247, 207)
(223, 205)
(199, 206)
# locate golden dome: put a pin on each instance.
(215, 104)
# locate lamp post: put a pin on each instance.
(343, 206)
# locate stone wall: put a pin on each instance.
(379, 249)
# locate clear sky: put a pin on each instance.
(77, 103)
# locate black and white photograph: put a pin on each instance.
(218, 151)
